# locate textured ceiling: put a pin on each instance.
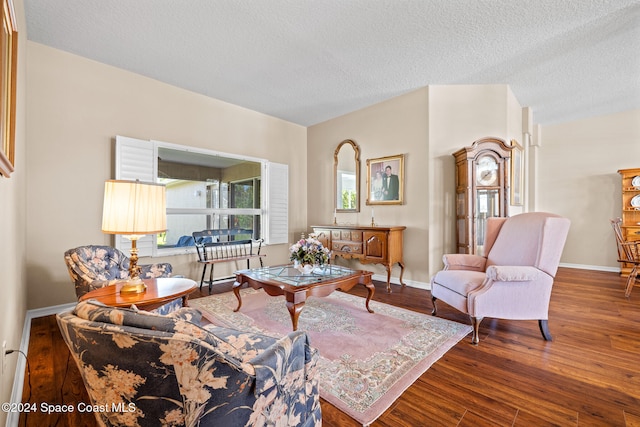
(307, 61)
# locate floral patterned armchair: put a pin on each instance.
(92, 267)
(152, 370)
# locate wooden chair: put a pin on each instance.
(628, 253)
(211, 252)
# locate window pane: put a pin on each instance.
(242, 194)
(179, 229)
(214, 185)
(186, 194)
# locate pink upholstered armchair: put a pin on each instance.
(514, 279)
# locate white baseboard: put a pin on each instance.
(591, 267)
(396, 281)
(18, 380)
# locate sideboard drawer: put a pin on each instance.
(346, 247)
(347, 235)
(355, 236)
(633, 233)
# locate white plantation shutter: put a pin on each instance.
(136, 159)
(277, 202)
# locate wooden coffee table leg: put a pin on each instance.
(236, 291)
(294, 312)
(295, 304)
(370, 291)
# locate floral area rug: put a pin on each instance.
(367, 360)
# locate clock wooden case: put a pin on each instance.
(482, 188)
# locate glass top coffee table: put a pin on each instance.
(296, 287)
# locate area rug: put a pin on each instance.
(367, 360)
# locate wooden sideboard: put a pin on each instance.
(369, 245)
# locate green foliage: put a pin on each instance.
(348, 199)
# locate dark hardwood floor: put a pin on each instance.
(589, 375)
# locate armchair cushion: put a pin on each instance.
(172, 371)
(464, 262)
(460, 281)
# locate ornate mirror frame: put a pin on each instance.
(346, 175)
(8, 69)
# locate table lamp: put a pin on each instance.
(133, 209)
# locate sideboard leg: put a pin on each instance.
(388, 267)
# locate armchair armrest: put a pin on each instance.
(150, 271)
(464, 262)
(283, 365)
(286, 387)
(511, 273)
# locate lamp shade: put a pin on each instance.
(134, 208)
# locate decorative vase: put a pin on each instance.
(305, 269)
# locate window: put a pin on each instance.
(206, 190)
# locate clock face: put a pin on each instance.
(486, 171)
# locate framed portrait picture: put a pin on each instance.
(385, 180)
(517, 174)
(8, 68)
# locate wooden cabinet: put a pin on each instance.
(369, 245)
(630, 208)
(482, 188)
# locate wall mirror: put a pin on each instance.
(346, 168)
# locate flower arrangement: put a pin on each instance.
(309, 251)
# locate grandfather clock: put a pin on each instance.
(482, 188)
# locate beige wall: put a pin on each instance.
(460, 115)
(75, 109)
(576, 176)
(12, 229)
(396, 126)
(427, 125)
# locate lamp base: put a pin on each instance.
(133, 286)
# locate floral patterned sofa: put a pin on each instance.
(92, 267)
(152, 370)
